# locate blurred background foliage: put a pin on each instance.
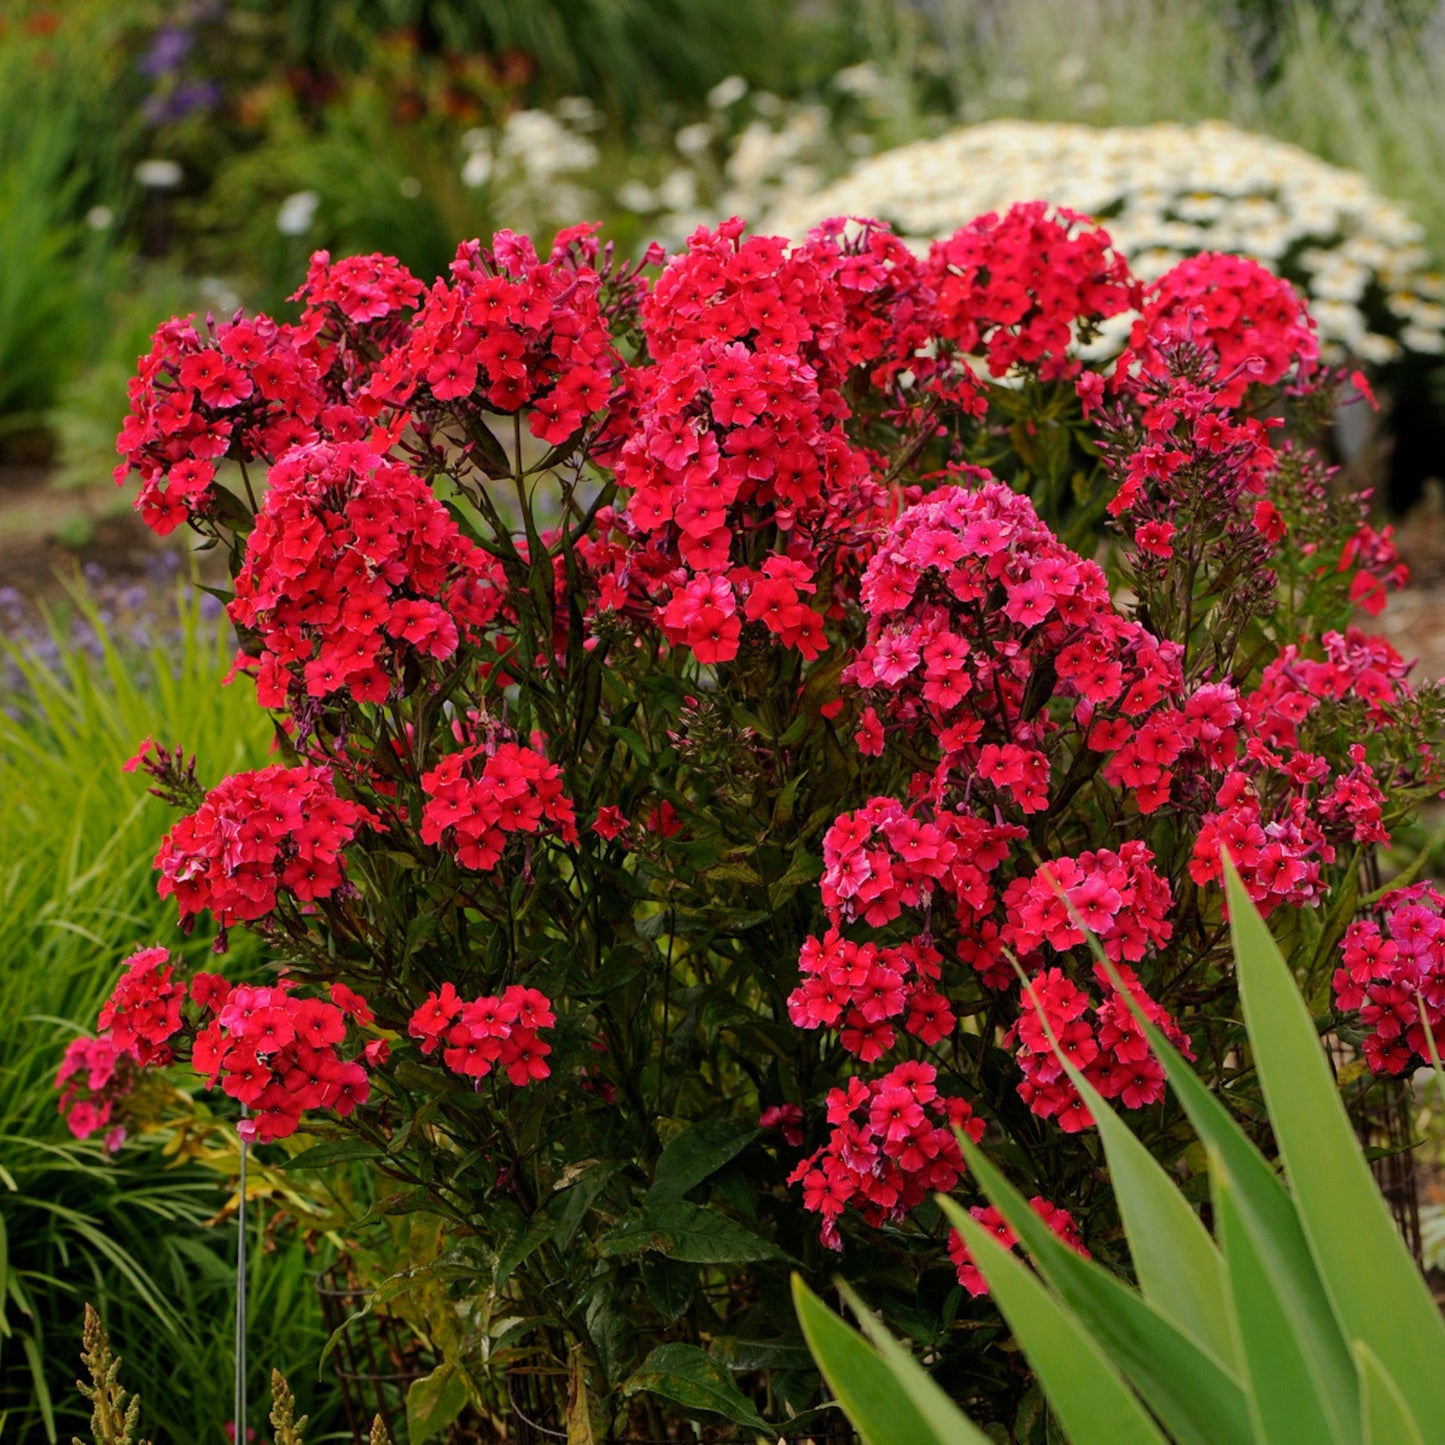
(164, 156)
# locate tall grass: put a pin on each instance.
(77, 837)
(62, 143)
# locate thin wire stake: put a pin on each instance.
(239, 1413)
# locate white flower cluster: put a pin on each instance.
(753, 150)
(1164, 192)
(530, 164)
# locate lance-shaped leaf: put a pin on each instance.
(1283, 1400)
(1181, 1274)
(686, 1375)
(1367, 1271)
(888, 1397)
(1267, 1212)
(1085, 1390)
(1199, 1401)
(1387, 1416)
(689, 1232)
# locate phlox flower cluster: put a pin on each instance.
(1058, 1220)
(971, 602)
(735, 431)
(94, 1078)
(1118, 897)
(136, 1026)
(890, 1146)
(1015, 288)
(1282, 811)
(495, 1030)
(1253, 321)
(1192, 456)
(1375, 568)
(884, 857)
(258, 837)
(1103, 1040)
(507, 331)
(1393, 977)
(477, 797)
(279, 1054)
(252, 389)
(352, 569)
(860, 988)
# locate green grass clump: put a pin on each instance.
(77, 836)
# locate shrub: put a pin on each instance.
(630, 637)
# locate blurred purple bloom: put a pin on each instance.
(169, 48)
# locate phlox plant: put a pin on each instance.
(704, 688)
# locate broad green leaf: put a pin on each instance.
(740, 1352)
(1275, 1232)
(670, 1284)
(332, 1151)
(433, 1402)
(696, 1153)
(1199, 1401)
(687, 1376)
(891, 1402)
(689, 1232)
(1387, 1419)
(1181, 1274)
(1367, 1271)
(1086, 1392)
(1283, 1397)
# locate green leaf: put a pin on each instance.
(520, 1244)
(332, 1151)
(1387, 1419)
(696, 1153)
(1368, 1273)
(1284, 1400)
(1200, 1402)
(1181, 1274)
(42, 1389)
(1268, 1212)
(433, 1402)
(670, 1284)
(892, 1402)
(685, 1375)
(1086, 1392)
(740, 1353)
(688, 1232)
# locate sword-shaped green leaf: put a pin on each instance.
(1084, 1389)
(892, 1401)
(1284, 1402)
(1194, 1397)
(1372, 1281)
(1387, 1416)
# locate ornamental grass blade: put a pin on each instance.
(1181, 1273)
(1275, 1232)
(1285, 1402)
(1083, 1387)
(1371, 1279)
(1386, 1415)
(1196, 1399)
(890, 1403)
